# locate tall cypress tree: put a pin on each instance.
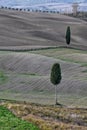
(68, 35)
(55, 77)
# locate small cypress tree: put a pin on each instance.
(68, 35)
(55, 77)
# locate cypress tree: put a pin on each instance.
(68, 35)
(55, 77)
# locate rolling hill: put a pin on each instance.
(39, 29)
(24, 75)
(28, 77)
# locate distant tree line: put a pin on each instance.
(32, 10)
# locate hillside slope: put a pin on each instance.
(28, 78)
(39, 29)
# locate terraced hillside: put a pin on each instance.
(39, 29)
(28, 76)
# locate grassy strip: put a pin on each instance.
(9, 121)
(65, 54)
(45, 98)
(42, 48)
(29, 74)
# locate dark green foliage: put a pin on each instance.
(56, 78)
(55, 74)
(68, 35)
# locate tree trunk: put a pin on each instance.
(55, 94)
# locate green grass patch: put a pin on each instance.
(9, 121)
(84, 65)
(84, 71)
(3, 78)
